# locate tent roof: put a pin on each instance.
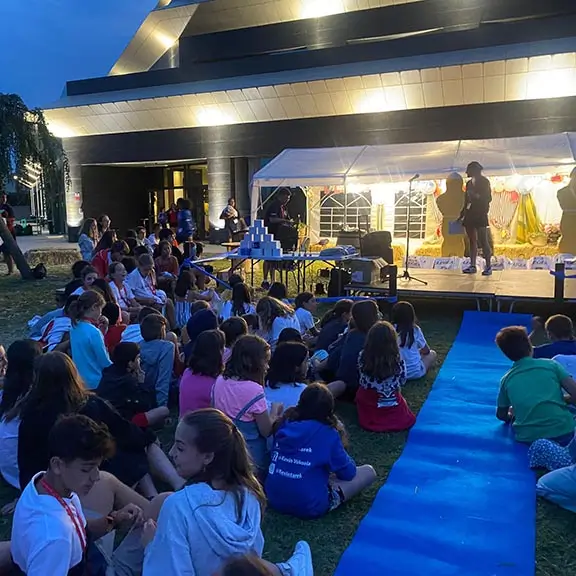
(431, 160)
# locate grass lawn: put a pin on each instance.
(329, 536)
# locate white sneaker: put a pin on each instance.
(300, 564)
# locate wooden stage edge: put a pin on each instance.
(505, 285)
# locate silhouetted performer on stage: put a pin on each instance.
(474, 216)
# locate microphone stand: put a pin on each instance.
(406, 275)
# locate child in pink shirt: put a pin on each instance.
(204, 366)
(239, 393)
(233, 329)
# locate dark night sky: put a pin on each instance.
(43, 43)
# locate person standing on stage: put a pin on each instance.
(280, 225)
(7, 212)
(474, 217)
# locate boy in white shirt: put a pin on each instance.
(49, 531)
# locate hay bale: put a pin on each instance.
(53, 257)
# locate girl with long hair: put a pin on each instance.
(311, 472)
(105, 243)
(417, 355)
(88, 238)
(240, 303)
(274, 316)
(204, 366)
(381, 406)
(286, 377)
(239, 393)
(122, 293)
(305, 305)
(86, 339)
(58, 390)
(233, 329)
(343, 358)
(218, 514)
(19, 378)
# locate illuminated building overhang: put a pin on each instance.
(158, 33)
(534, 71)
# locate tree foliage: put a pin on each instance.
(25, 138)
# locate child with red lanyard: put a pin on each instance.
(122, 292)
(381, 406)
(50, 533)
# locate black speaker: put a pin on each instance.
(338, 279)
(378, 245)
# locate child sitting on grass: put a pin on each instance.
(560, 331)
(305, 305)
(532, 392)
(233, 328)
(381, 406)
(334, 323)
(157, 357)
(204, 366)
(240, 303)
(287, 374)
(122, 384)
(113, 335)
(413, 346)
(239, 393)
(311, 472)
(88, 275)
(58, 328)
(86, 340)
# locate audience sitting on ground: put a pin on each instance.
(102, 260)
(559, 487)
(154, 239)
(204, 366)
(129, 263)
(186, 292)
(157, 357)
(88, 238)
(305, 305)
(122, 385)
(240, 303)
(274, 316)
(538, 335)
(133, 332)
(50, 532)
(168, 235)
(232, 281)
(239, 393)
(381, 406)
(532, 392)
(58, 329)
(311, 472)
(253, 323)
(166, 264)
(333, 324)
(115, 329)
(199, 322)
(76, 282)
(342, 361)
(122, 292)
(279, 291)
(227, 503)
(286, 376)
(86, 339)
(19, 377)
(289, 335)
(88, 275)
(415, 351)
(233, 328)
(560, 331)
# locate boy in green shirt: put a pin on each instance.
(532, 392)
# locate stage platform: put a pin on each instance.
(503, 288)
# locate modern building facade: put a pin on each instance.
(208, 91)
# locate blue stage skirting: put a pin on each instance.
(461, 498)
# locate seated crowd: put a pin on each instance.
(255, 381)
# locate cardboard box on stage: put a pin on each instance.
(366, 270)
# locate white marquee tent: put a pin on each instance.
(392, 163)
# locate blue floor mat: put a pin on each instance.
(461, 499)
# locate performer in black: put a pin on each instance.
(474, 216)
(277, 220)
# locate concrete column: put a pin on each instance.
(220, 188)
(242, 186)
(73, 196)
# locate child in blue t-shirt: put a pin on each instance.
(310, 472)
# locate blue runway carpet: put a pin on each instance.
(461, 498)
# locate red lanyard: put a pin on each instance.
(150, 283)
(80, 529)
(123, 293)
